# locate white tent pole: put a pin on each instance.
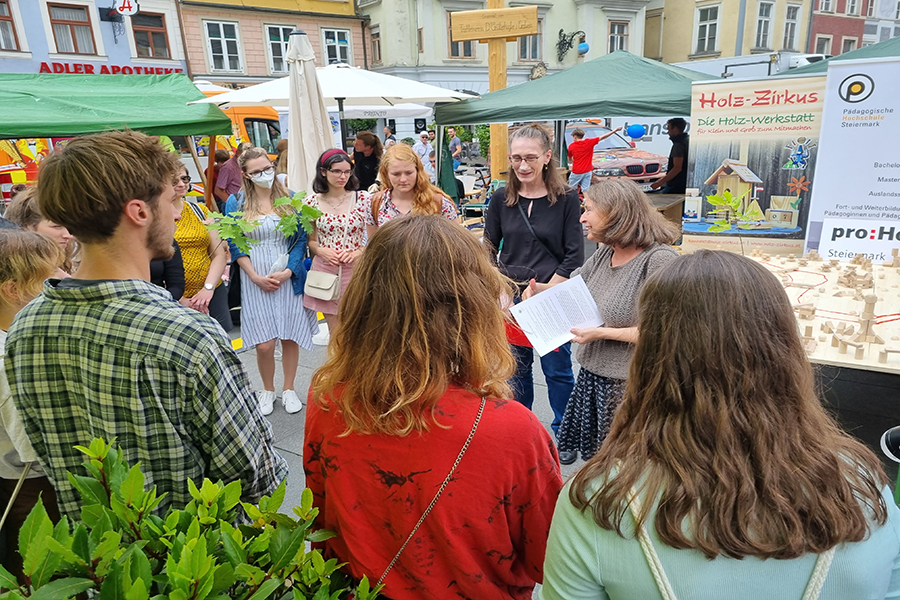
(343, 123)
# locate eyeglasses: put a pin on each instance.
(517, 160)
(185, 179)
(268, 169)
(340, 173)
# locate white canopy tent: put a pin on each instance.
(344, 86)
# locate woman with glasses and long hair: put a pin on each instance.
(405, 189)
(723, 476)
(536, 218)
(204, 257)
(413, 396)
(338, 236)
(271, 293)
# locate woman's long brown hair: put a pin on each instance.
(422, 312)
(424, 193)
(553, 180)
(721, 422)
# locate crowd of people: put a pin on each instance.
(712, 470)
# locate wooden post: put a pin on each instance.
(496, 25)
(497, 81)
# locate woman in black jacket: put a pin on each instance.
(536, 216)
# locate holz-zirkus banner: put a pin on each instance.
(756, 141)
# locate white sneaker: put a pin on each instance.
(266, 402)
(291, 402)
(323, 337)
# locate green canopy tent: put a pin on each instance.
(49, 105)
(53, 105)
(885, 49)
(616, 85)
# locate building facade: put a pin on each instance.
(838, 26)
(88, 37)
(411, 39)
(683, 30)
(882, 21)
(236, 43)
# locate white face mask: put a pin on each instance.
(264, 180)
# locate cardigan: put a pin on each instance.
(558, 227)
(296, 243)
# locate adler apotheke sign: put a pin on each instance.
(95, 69)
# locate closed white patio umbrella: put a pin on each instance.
(309, 132)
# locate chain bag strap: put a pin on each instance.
(437, 495)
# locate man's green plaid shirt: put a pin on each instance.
(122, 359)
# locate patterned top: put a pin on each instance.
(120, 358)
(193, 239)
(485, 537)
(616, 291)
(345, 231)
(389, 210)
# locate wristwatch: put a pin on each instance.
(208, 286)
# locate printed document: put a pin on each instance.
(547, 318)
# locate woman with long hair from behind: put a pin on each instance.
(405, 189)
(272, 290)
(723, 460)
(414, 394)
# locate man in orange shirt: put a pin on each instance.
(581, 155)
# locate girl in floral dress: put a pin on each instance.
(338, 236)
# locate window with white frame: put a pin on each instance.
(279, 38)
(792, 18)
(375, 39)
(71, 29)
(459, 49)
(618, 36)
(530, 45)
(848, 45)
(223, 45)
(336, 44)
(825, 5)
(823, 45)
(870, 8)
(707, 29)
(9, 40)
(763, 25)
(852, 7)
(897, 12)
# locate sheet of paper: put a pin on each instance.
(548, 318)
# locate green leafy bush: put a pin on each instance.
(124, 551)
(362, 124)
(235, 228)
(483, 135)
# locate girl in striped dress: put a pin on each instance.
(271, 298)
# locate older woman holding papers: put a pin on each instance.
(633, 240)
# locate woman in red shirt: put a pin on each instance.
(415, 381)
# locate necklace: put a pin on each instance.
(333, 205)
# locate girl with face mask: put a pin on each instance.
(271, 294)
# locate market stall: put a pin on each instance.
(50, 108)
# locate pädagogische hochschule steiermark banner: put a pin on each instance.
(857, 207)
